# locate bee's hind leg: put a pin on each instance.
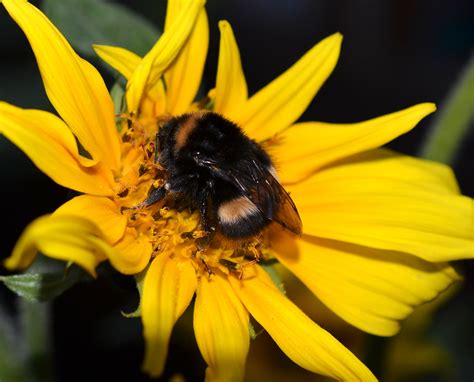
(208, 224)
(205, 241)
(208, 221)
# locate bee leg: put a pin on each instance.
(205, 209)
(155, 196)
(207, 222)
(209, 271)
(203, 242)
(206, 225)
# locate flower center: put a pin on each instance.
(175, 230)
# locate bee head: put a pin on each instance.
(201, 139)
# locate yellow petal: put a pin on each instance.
(304, 342)
(369, 288)
(167, 291)
(221, 325)
(68, 238)
(305, 147)
(394, 203)
(154, 103)
(282, 102)
(427, 174)
(158, 59)
(51, 146)
(74, 87)
(131, 254)
(183, 77)
(102, 211)
(121, 59)
(231, 86)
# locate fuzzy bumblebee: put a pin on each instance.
(213, 167)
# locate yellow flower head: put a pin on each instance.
(379, 227)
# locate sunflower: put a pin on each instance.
(379, 227)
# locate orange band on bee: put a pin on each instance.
(185, 129)
(236, 209)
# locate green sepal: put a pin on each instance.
(117, 93)
(87, 22)
(43, 286)
(139, 279)
(273, 273)
(252, 332)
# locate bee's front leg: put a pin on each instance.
(155, 196)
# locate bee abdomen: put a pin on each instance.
(240, 218)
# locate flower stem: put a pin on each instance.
(453, 120)
(35, 321)
(11, 367)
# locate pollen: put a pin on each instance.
(175, 231)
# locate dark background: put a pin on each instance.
(395, 54)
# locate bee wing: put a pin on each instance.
(261, 187)
(287, 215)
(269, 195)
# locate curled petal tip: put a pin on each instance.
(432, 105)
(337, 38)
(223, 24)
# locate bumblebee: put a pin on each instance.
(213, 167)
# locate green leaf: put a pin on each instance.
(87, 22)
(453, 120)
(38, 286)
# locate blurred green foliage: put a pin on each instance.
(101, 22)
